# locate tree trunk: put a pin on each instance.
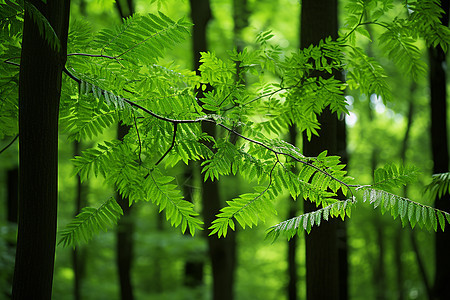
(398, 238)
(125, 230)
(11, 217)
(221, 251)
(13, 194)
(319, 20)
(39, 93)
(79, 253)
(322, 263)
(193, 268)
(292, 290)
(342, 226)
(439, 144)
(125, 225)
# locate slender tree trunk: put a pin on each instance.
(439, 144)
(125, 225)
(193, 268)
(319, 20)
(322, 263)
(13, 194)
(292, 289)
(379, 272)
(221, 251)
(39, 93)
(125, 230)
(342, 226)
(11, 217)
(398, 238)
(78, 253)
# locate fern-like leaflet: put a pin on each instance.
(296, 225)
(169, 198)
(89, 222)
(45, 29)
(439, 186)
(407, 210)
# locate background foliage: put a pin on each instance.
(165, 88)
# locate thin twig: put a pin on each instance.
(94, 55)
(139, 138)
(7, 61)
(9, 145)
(175, 126)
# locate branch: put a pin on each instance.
(207, 118)
(97, 55)
(7, 61)
(175, 126)
(139, 138)
(94, 55)
(10, 144)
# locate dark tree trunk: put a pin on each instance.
(79, 253)
(125, 230)
(11, 216)
(39, 93)
(292, 290)
(322, 255)
(439, 144)
(319, 20)
(193, 268)
(342, 226)
(221, 251)
(125, 225)
(398, 238)
(13, 194)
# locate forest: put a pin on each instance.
(224, 150)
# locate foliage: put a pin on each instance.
(117, 75)
(89, 222)
(439, 186)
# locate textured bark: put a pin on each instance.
(439, 145)
(319, 20)
(39, 94)
(221, 251)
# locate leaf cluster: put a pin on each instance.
(89, 222)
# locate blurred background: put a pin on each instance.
(385, 261)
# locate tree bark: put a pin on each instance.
(79, 253)
(39, 94)
(125, 225)
(193, 267)
(125, 230)
(11, 217)
(292, 289)
(439, 145)
(221, 251)
(319, 20)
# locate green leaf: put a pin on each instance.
(441, 220)
(89, 222)
(45, 29)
